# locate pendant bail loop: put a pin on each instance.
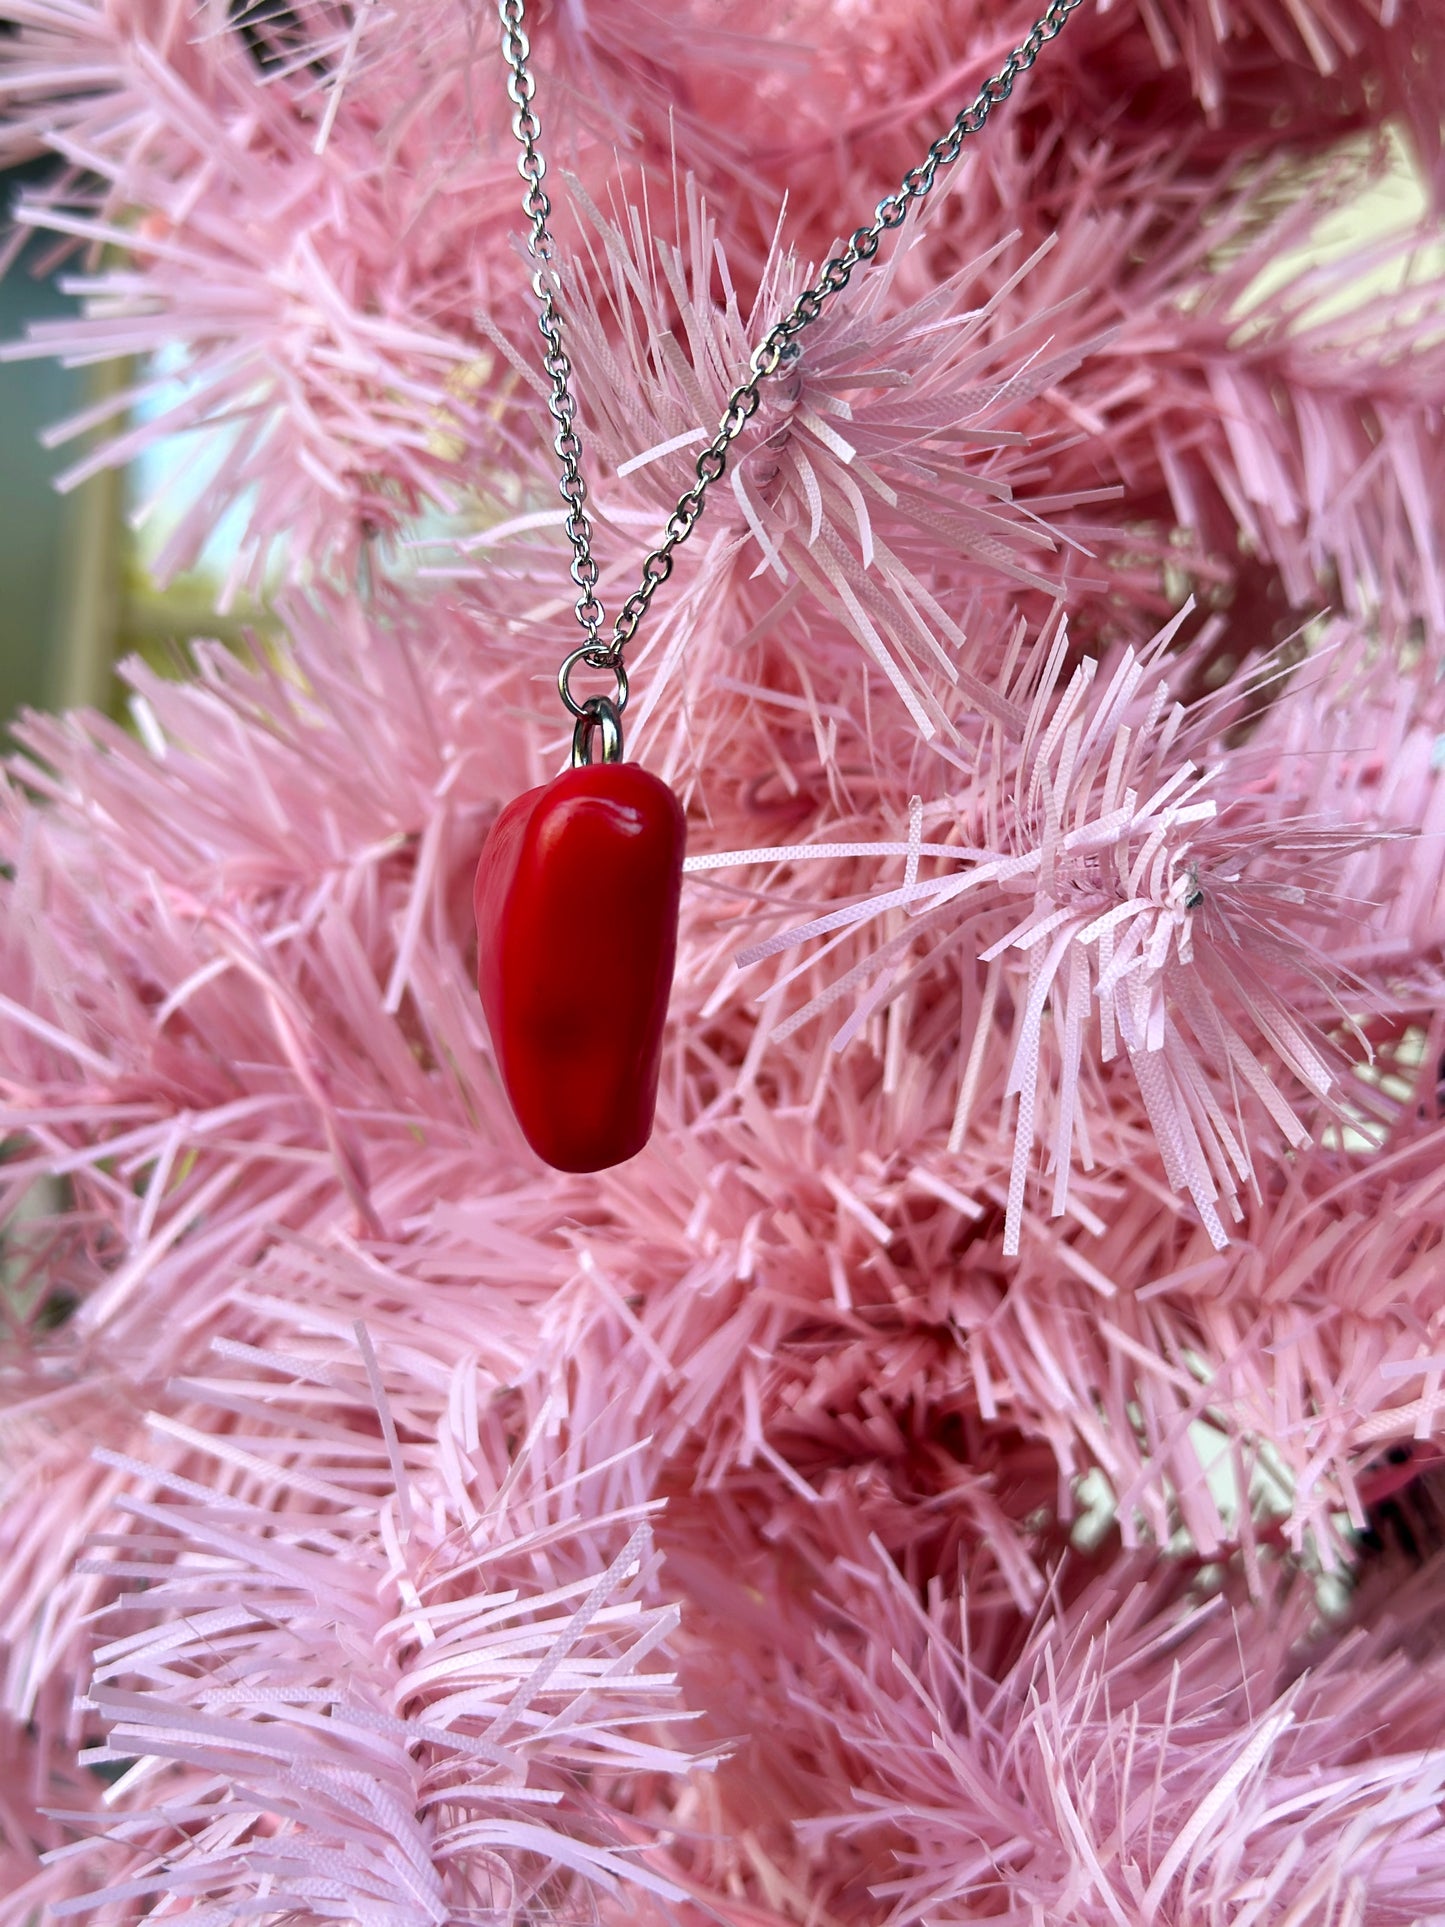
(597, 713)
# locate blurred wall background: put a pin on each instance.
(37, 536)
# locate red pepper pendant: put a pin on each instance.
(576, 900)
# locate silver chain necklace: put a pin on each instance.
(777, 348)
(579, 882)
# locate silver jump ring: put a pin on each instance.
(594, 657)
(597, 713)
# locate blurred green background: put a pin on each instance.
(76, 593)
(40, 532)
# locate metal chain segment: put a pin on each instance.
(561, 404)
(777, 348)
(779, 344)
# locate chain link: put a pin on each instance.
(561, 404)
(778, 348)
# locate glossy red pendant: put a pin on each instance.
(576, 900)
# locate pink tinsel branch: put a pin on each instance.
(919, 1485)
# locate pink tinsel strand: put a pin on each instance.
(1138, 1753)
(394, 1666)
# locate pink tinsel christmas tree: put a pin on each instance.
(978, 1462)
